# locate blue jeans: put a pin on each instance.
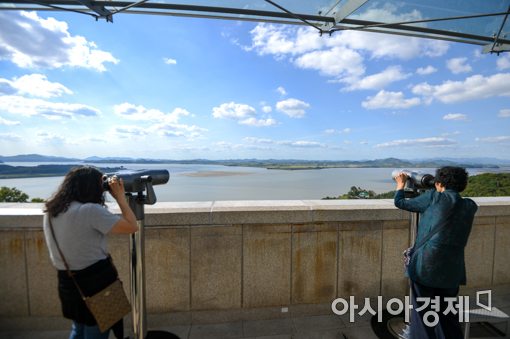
(80, 331)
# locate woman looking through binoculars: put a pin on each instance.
(436, 267)
(77, 220)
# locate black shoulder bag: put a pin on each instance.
(107, 306)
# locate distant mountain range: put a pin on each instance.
(277, 163)
(59, 166)
(36, 158)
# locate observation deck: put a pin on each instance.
(246, 269)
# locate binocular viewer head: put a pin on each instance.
(137, 180)
(416, 180)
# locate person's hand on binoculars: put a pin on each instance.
(401, 179)
(116, 186)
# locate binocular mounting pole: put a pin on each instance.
(403, 330)
(137, 263)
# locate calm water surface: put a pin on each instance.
(215, 182)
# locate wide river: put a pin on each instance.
(216, 182)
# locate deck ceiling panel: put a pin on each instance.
(479, 22)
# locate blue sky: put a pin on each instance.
(183, 88)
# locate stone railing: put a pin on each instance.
(239, 256)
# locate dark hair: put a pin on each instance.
(454, 178)
(82, 184)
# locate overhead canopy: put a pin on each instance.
(480, 22)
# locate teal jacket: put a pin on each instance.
(440, 261)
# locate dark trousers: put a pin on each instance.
(448, 326)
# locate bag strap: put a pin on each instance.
(431, 234)
(71, 275)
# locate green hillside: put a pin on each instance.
(488, 185)
(482, 185)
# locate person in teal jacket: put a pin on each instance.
(437, 268)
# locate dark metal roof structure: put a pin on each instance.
(480, 22)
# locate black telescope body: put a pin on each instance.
(417, 180)
(136, 180)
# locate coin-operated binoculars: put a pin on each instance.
(140, 192)
(416, 183)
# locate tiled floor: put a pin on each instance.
(296, 327)
(312, 327)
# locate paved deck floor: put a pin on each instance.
(326, 326)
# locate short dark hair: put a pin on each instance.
(454, 178)
(82, 184)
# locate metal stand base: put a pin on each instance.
(391, 327)
(398, 328)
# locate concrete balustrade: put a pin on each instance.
(231, 259)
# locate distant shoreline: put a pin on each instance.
(55, 170)
(214, 174)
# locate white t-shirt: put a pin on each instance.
(81, 234)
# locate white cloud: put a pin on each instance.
(386, 12)
(394, 100)
(51, 110)
(267, 109)
(390, 46)
(288, 143)
(498, 139)
(258, 122)
(340, 56)
(7, 87)
(170, 61)
(6, 122)
(127, 131)
(335, 131)
(140, 113)
(455, 116)
(10, 137)
(167, 129)
(426, 70)
(302, 144)
(504, 113)
(280, 40)
(472, 88)
(244, 114)
(450, 133)
(458, 65)
(338, 61)
(503, 62)
(281, 90)
(379, 80)
(294, 108)
(256, 140)
(420, 142)
(30, 41)
(35, 85)
(233, 110)
(51, 138)
(160, 123)
(86, 140)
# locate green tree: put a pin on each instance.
(12, 195)
(488, 185)
(386, 195)
(481, 185)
